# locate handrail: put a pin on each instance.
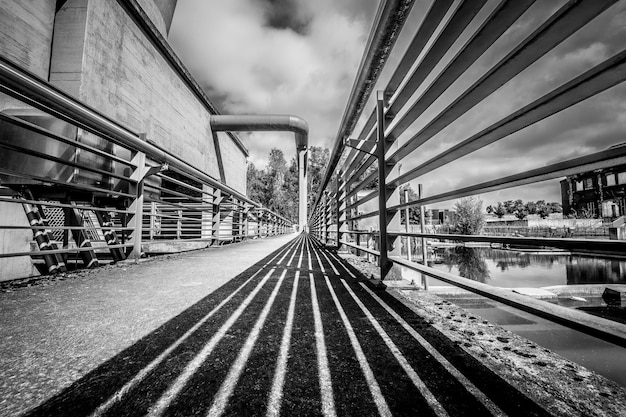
(417, 106)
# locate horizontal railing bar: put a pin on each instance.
(433, 18)
(72, 142)
(62, 161)
(363, 200)
(364, 249)
(601, 328)
(184, 184)
(62, 205)
(559, 27)
(461, 18)
(486, 35)
(365, 181)
(178, 193)
(592, 82)
(195, 239)
(363, 216)
(68, 250)
(50, 227)
(561, 243)
(73, 185)
(604, 159)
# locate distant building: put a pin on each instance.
(442, 216)
(599, 194)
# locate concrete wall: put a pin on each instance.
(26, 33)
(26, 38)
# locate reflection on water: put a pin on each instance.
(469, 262)
(510, 268)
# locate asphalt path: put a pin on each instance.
(300, 332)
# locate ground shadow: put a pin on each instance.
(85, 395)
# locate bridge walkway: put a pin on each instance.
(301, 332)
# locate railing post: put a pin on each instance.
(423, 230)
(179, 224)
(407, 226)
(153, 221)
(325, 218)
(136, 207)
(338, 208)
(383, 261)
(385, 196)
(216, 219)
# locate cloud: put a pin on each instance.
(275, 56)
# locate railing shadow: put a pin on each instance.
(88, 393)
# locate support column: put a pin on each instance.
(302, 185)
(136, 207)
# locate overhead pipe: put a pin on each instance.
(274, 123)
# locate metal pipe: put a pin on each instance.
(263, 123)
(272, 123)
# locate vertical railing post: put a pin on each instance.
(216, 219)
(407, 226)
(385, 196)
(136, 207)
(338, 208)
(383, 260)
(420, 193)
(325, 219)
(246, 224)
(179, 224)
(153, 221)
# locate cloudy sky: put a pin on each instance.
(275, 56)
(300, 57)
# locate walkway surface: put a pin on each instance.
(297, 332)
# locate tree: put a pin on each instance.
(469, 216)
(499, 211)
(255, 184)
(316, 167)
(276, 169)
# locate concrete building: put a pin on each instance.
(598, 194)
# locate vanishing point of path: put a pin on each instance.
(298, 333)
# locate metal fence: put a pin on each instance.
(90, 190)
(419, 95)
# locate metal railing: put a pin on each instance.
(90, 189)
(406, 134)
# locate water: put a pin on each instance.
(510, 269)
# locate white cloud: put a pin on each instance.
(251, 67)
